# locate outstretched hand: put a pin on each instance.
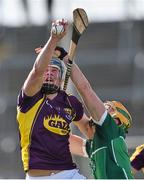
(55, 33)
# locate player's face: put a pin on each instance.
(52, 76)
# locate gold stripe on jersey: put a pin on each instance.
(26, 122)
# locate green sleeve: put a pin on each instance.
(121, 155)
(109, 129)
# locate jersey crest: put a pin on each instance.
(56, 124)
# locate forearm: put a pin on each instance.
(47, 52)
(77, 145)
(94, 105)
(44, 57)
(79, 79)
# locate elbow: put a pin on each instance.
(84, 88)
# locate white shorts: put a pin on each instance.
(66, 174)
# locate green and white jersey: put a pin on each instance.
(108, 151)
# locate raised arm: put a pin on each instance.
(34, 81)
(93, 103)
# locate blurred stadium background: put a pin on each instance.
(110, 53)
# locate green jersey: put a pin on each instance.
(108, 151)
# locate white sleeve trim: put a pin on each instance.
(84, 148)
(102, 119)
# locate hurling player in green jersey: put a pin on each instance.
(106, 146)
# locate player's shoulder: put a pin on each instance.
(140, 148)
(67, 94)
(138, 151)
(72, 99)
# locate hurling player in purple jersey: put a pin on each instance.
(44, 114)
(137, 159)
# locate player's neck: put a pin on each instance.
(51, 96)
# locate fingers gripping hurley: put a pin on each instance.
(80, 23)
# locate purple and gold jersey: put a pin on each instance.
(137, 158)
(44, 130)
